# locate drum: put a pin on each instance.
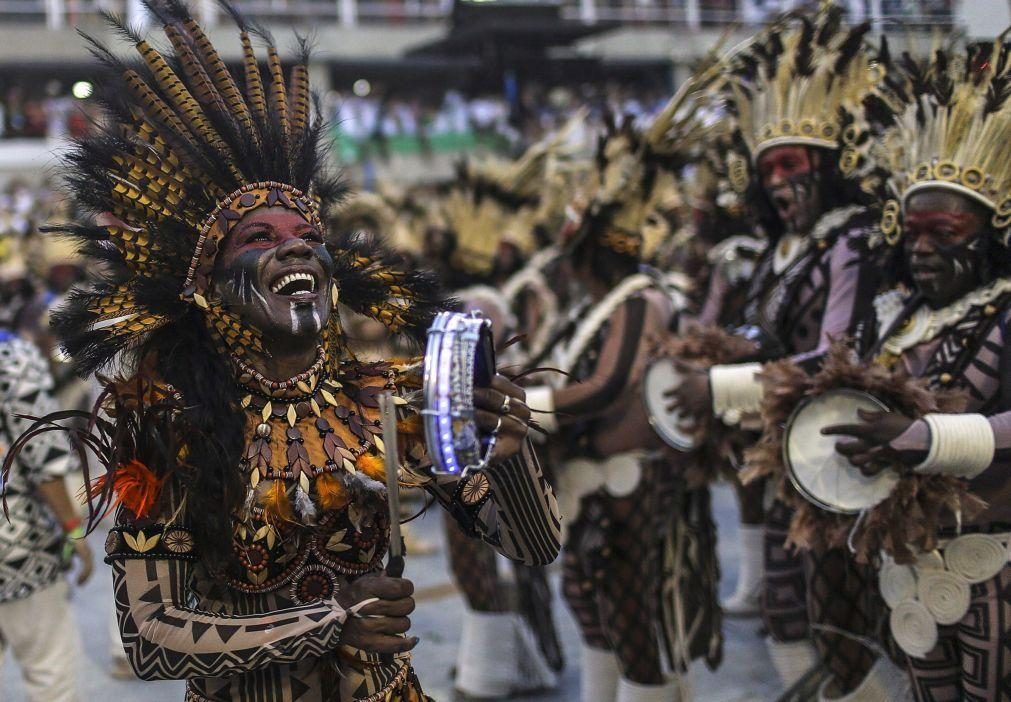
(460, 356)
(662, 376)
(819, 472)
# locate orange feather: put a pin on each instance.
(135, 487)
(372, 466)
(276, 504)
(410, 425)
(331, 492)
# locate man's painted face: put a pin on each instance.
(274, 272)
(944, 250)
(789, 176)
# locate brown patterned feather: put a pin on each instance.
(277, 90)
(221, 77)
(254, 82)
(299, 99)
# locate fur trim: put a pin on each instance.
(719, 445)
(909, 519)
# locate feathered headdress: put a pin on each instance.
(796, 84)
(947, 121)
(499, 201)
(635, 167)
(188, 149)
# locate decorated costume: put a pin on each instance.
(246, 504)
(508, 643)
(36, 622)
(816, 280)
(938, 353)
(639, 562)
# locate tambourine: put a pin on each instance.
(459, 357)
(820, 473)
(660, 377)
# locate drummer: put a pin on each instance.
(947, 324)
(508, 642)
(618, 498)
(815, 279)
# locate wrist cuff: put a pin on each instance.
(541, 401)
(736, 390)
(960, 444)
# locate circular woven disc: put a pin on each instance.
(929, 560)
(976, 557)
(622, 475)
(945, 595)
(915, 631)
(897, 583)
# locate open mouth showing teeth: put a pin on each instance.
(294, 284)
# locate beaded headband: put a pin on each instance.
(228, 213)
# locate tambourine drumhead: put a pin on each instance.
(459, 356)
(819, 472)
(661, 376)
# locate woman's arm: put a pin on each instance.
(167, 638)
(509, 505)
(594, 395)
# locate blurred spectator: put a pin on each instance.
(42, 531)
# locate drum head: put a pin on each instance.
(672, 427)
(820, 473)
(459, 356)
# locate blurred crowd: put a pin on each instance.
(510, 121)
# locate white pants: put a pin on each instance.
(42, 634)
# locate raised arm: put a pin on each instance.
(594, 395)
(510, 505)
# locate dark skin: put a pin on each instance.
(786, 174)
(938, 225)
(265, 247)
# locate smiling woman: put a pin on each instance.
(275, 271)
(245, 457)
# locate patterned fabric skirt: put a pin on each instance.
(972, 659)
(403, 687)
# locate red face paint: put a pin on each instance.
(940, 228)
(274, 272)
(789, 176)
(781, 163)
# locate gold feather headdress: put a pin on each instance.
(499, 201)
(948, 122)
(185, 153)
(636, 169)
(797, 82)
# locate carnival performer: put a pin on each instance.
(40, 529)
(618, 495)
(815, 281)
(508, 643)
(244, 450)
(946, 151)
(718, 254)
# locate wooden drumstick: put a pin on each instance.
(388, 414)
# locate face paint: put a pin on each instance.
(946, 251)
(789, 176)
(274, 272)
